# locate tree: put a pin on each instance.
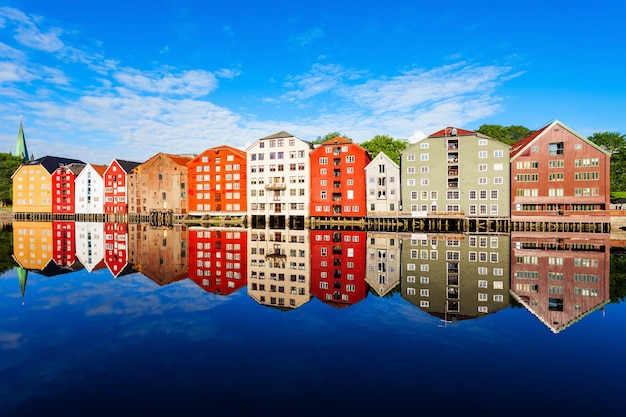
(383, 143)
(612, 142)
(329, 136)
(615, 144)
(506, 134)
(8, 165)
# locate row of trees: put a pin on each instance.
(613, 142)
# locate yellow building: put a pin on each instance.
(33, 244)
(32, 184)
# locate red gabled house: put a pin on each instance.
(64, 188)
(338, 179)
(558, 174)
(115, 186)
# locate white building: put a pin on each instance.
(278, 173)
(383, 261)
(90, 190)
(90, 244)
(383, 186)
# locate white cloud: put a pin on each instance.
(194, 83)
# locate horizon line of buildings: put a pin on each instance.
(553, 173)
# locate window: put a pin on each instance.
(424, 157)
(555, 149)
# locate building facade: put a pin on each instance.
(90, 190)
(556, 174)
(338, 179)
(456, 172)
(159, 185)
(278, 170)
(32, 184)
(383, 261)
(116, 186)
(64, 188)
(383, 186)
(218, 182)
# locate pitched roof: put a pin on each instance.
(337, 140)
(451, 132)
(523, 144)
(51, 163)
(382, 155)
(100, 169)
(282, 134)
(127, 166)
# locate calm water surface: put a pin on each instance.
(87, 343)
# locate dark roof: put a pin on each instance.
(282, 134)
(127, 166)
(51, 163)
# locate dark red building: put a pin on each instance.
(64, 243)
(338, 266)
(116, 186)
(558, 174)
(116, 249)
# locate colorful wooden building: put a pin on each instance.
(383, 186)
(558, 175)
(218, 182)
(159, 185)
(116, 186)
(338, 179)
(64, 188)
(32, 184)
(90, 189)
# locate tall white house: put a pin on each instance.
(383, 186)
(90, 190)
(90, 244)
(278, 175)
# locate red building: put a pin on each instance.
(338, 179)
(217, 182)
(558, 278)
(64, 243)
(64, 188)
(557, 173)
(115, 186)
(338, 266)
(218, 261)
(116, 249)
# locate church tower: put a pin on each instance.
(20, 146)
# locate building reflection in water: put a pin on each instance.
(558, 277)
(159, 253)
(218, 258)
(279, 272)
(383, 262)
(338, 266)
(456, 276)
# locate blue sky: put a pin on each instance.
(98, 80)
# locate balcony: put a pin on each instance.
(276, 186)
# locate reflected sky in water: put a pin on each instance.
(87, 343)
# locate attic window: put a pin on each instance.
(555, 149)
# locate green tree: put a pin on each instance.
(615, 144)
(612, 142)
(506, 134)
(327, 137)
(6, 248)
(8, 165)
(383, 143)
(617, 278)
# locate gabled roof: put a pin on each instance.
(227, 148)
(337, 140)
(100, 169)
(75, 168)
(127, 166)
(524, 144)
(382, 155)
(51, 163)
(278, 135)
(452, 132)
(177, 159)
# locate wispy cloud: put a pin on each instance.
(307, 37)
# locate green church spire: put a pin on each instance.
(20, 147)
(22, 275)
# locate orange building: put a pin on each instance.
(32, 184)
(338, 179)
(159, 185)
(217, 182)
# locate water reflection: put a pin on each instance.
(558, 278)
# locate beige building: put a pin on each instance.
(383, 261)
